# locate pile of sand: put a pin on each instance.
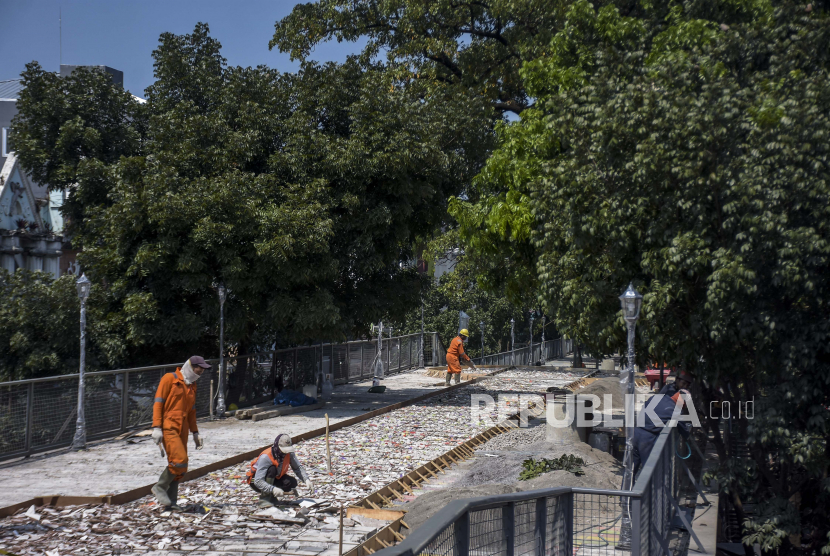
(608, 385)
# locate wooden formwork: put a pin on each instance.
(386, 537)
(396, 490)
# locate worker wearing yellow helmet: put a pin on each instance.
(455, 354)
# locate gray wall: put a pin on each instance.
(8, 110)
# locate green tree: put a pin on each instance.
(302, 193)
(71, 125)
(39, 326)
(684, 146)
(459, 290)
(468, 49)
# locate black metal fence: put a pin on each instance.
(568, 520)
(37, 415)
(528, 355)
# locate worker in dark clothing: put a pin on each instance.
(682, 381)
(645, 436)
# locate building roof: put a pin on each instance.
(10, 89)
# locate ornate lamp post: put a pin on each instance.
(512, 341)
(631, 301)
(530, 354)
(79, 441)
(220, 401)
(481, 325)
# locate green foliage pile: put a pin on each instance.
(532, 468)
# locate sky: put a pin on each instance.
(122, 34)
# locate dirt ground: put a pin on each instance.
(497, 466)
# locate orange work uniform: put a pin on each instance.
(455, 354)
(174, 411)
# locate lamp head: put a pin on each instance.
(83, 285)
(631, 301)
(223, 293)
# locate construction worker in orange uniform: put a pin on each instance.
(455, 354)
(174, 415)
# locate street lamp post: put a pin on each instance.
(544, 318)
(220, 401)
(481, 325)
(421, 351)
(631, 301)
(530, 354)
(79, 441)
(512, 341)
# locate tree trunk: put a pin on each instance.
(578, 356)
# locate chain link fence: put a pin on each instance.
(40, 414)
(566, 520)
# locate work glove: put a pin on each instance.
(276, 492)
(308, 485)
(197, 440)
(158, 435)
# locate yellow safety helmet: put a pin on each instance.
(464, 332)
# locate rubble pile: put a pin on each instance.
(221, 509)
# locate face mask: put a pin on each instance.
(189, 374)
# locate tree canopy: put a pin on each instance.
(684, 147)
(302, 193)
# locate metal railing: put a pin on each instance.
(564, 520)
(551, 349)
(38, 415)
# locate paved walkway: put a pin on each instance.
(113, 466)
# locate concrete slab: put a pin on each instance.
(114, 466)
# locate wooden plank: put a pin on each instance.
(406, 487)
(396, 493)
(287, 411)
(384, 515)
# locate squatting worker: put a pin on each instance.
(455, 354)
(174, 415)
(646, 436)
(268, 473)
(682, 381)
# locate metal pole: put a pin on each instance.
(512, 341)
(544, 318)
(481, 324)
(220, 402)
(79, 442)
(628, 460)
(421, 351)
(530, 354)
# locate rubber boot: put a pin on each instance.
(448, 378)
(161, 487)
(173, 494)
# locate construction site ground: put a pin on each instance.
(224, 518)
(112, 466)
